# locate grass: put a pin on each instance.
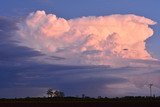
(82, 102)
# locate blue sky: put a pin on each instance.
(22, 76)
(72, 8)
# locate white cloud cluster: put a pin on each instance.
(107, 40)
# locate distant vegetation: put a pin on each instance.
(57, 99)
(55, 93)
(82, 102)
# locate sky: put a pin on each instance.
(93, 47)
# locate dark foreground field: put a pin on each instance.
(82, 102)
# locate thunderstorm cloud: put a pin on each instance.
(104, 40)
(105, 55)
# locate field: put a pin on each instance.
(82, 102)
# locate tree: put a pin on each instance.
(58, 94)
(83, 95)
(50, 93)
(99, 97)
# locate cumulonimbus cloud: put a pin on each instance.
(87, 40)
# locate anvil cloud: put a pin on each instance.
(103, 40)
(22, 74)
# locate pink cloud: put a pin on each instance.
(107, 40)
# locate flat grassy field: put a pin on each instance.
(82, 102)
